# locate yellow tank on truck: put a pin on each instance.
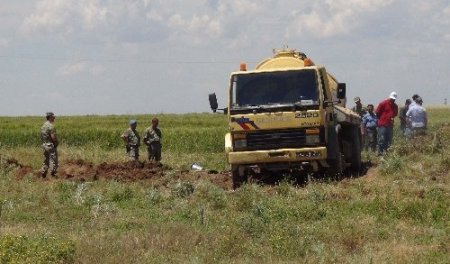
(289, 59)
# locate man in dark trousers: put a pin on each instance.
(403, 110)
(386, 111)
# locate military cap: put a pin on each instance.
(49, 114)
(357, 99)
(132, 122)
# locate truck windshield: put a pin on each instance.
(275, 88)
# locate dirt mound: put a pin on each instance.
(20, 169)
(125, 171)
(9, 162)
(157, 174)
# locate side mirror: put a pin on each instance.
(213, 102)
(341, 91)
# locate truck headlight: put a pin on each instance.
(240, 143)
(312, 139)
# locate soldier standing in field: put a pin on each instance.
(132, 140)
(49, 144)
(152, 138)
(359, 108)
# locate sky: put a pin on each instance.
(80, 57)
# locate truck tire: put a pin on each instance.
(335, 171)
(336, 166)
(238, 179)
(356, 150)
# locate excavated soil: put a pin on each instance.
(156, 174)
(126, 171)
(20, 169)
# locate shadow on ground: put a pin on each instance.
(301, 179)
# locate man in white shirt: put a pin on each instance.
(417, 118)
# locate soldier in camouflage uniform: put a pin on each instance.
(132, 140)
(49, 144)
(152, 138)
(359, 108)
(361, 111)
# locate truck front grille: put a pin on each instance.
(265, 140)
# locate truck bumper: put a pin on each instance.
(279, 155)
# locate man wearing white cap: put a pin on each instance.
(386, 111)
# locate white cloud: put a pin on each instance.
(50, 16)
(240, 7)
(198, 23)
(94, 19)
(70, 69)
(332, 18)
(197, 30)
(93, 15)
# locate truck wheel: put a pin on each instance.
(238, 179)
(335, 171)
(356, 150)
(336, 165)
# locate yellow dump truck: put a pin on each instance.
(289, 115)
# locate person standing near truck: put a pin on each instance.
(386, 111)
(369, 129)
(49, 144)
(132, 140)
(152, 138)
(359, 108)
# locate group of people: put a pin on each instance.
(377, 125)
(152, 139)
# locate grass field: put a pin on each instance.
(398, 212)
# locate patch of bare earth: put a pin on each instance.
(20, 169)
(155, 174)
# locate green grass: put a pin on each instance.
(181, 133)
(397, 213)
(187, 138)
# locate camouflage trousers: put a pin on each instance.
(133, 152)
(50, 159)
(154, 151)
